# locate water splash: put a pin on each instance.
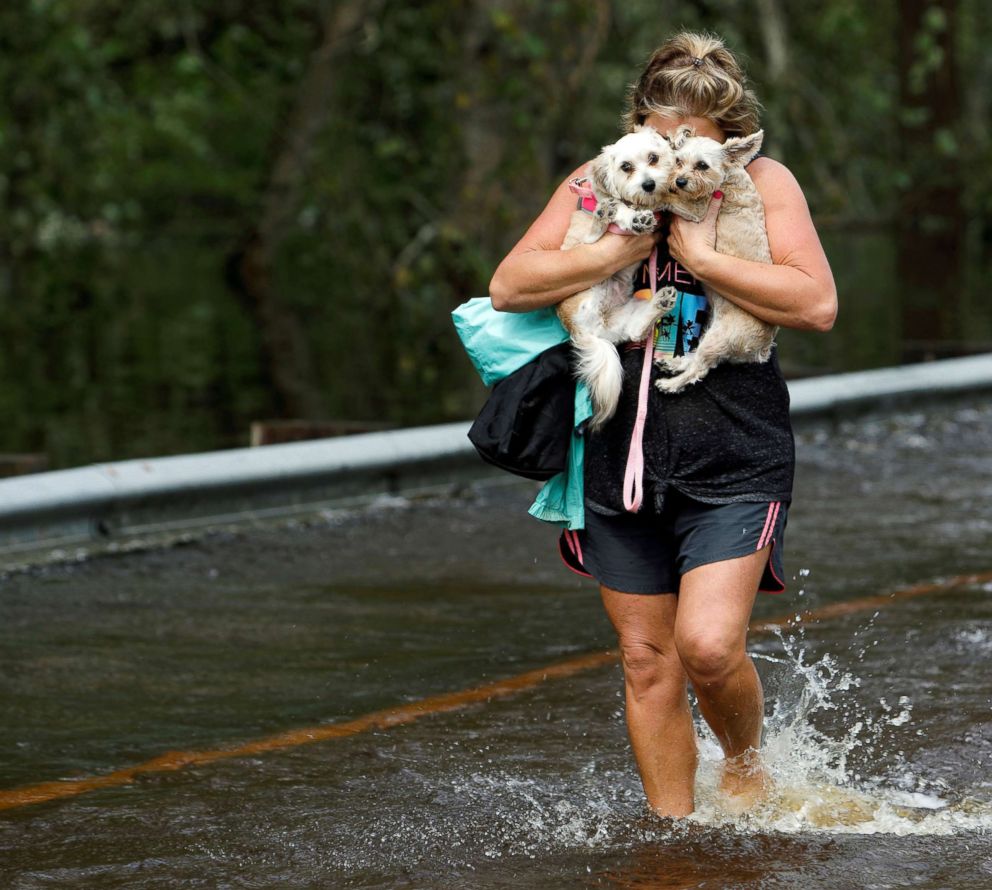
(832, 752)
(826, 780)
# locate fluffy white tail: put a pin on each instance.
(598, 364)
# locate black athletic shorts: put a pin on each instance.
(648, 552)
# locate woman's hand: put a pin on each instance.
(692, 244)
(616, 252)
(795, 290)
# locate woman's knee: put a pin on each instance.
(710, 656)
(650, 672)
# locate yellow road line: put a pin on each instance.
(435, 704)
(867, 602)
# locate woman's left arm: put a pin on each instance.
(797, 290)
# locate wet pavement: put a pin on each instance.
(877, 733)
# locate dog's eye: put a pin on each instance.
(627, 167)
(702, 165)
(652, 159)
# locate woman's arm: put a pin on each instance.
(798, 290)
(537, 272)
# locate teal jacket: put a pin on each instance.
(500, 342)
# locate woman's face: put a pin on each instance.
(703, 126)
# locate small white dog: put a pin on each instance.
(701, 166)
(629, 180)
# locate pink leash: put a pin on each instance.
(633, 478)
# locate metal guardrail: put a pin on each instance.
(110, 502)
(881, 388)
(102, 504)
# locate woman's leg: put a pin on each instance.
(715, 602)
(659, 719)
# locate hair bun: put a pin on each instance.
(694, 75)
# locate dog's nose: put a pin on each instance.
(648, 185)
(681, 182)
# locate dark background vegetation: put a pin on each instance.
(215, 211)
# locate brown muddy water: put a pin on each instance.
(877, 732)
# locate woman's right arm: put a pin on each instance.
(537, 272)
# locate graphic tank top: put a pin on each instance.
(724, 439)
(678, 331)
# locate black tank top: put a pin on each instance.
(724, 439)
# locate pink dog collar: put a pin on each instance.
(588, 203)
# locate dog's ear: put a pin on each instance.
(742, 149)
(678, 138)
(599, 169)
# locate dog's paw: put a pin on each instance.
(606, 211)
(671, 385)
(673, 363)
(664, 299)
(642, 222)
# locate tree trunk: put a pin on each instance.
(931, 218)
(486, 125)
(775, 38)
(285, 348)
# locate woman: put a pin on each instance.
(679, 578)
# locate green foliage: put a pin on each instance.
(136, 148)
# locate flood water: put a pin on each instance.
(877, 733)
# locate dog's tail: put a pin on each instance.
(598, 364)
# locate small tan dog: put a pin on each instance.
(629, 180)
(701, 166)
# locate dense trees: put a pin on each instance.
(217, 211)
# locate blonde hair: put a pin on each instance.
(694, 75)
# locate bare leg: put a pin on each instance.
(659, 719)
(715, 604)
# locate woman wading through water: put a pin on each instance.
(679, 578)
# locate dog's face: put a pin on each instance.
(701, 164)
(635, 168)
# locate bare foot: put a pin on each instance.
(745, 782)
